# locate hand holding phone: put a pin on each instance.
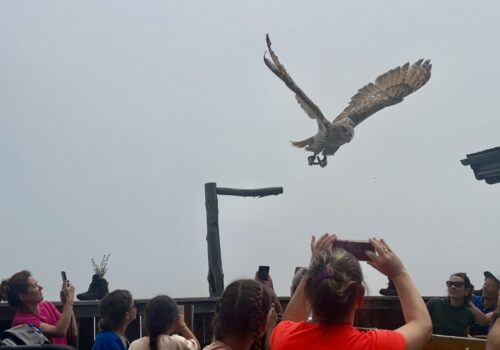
(63, 275)
(67, 291)
(356, 248)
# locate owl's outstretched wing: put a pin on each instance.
(279, 70)
(389, 88)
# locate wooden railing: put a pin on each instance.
(440, 342)
(377, 312)
(198, 314)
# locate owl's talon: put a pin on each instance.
(310, 160)
(322, 162)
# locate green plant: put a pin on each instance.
(103, 266)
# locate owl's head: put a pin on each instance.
(344, 129)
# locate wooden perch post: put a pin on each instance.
(215, 273)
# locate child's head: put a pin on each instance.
(117, 309)
(242, 311)
(160, 317)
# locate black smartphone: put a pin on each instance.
(263, 273)
(63, 275)
(302, 270)
(356, 248)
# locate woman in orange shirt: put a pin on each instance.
(333, 288)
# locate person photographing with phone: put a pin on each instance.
(162, 319)
(24, 294)
(262, 275)
(333, 289)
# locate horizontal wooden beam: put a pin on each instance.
(259, 192)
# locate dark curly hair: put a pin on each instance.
(113, 309)
(13, 287)
(242, 310)
(333, 282)
(160, 315)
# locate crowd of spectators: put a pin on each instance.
(320, 314)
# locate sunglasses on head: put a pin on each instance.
(457, 284)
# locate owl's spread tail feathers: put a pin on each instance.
(303, 143)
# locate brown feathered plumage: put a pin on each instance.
(387, 90)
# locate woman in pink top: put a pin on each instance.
(333, 289)
(24, 294)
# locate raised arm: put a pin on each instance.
(418, 328)
(272, 318)
(184, 330)
(65, 322)
(480, 318)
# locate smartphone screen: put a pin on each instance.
(356, 248)
(63, 275)
(263, 273)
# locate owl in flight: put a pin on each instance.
(388, 89)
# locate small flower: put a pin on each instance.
(103, 266)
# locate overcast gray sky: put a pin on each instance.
(113, 115)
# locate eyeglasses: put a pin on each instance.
(456, 284)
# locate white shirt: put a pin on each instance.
(166, 342)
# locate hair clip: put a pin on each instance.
(323, 275)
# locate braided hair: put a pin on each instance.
(333, 283)
(160, 316)
(242, 311)
(13, 287)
